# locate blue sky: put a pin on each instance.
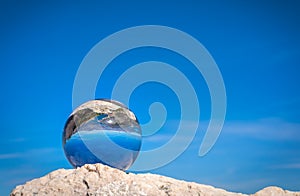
(254, 43)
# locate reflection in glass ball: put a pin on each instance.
(102, 131)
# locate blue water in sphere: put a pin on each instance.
(102, 131)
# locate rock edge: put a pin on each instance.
(98, 179)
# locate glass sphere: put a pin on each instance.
(102, 131)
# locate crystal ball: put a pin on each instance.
(102, 131)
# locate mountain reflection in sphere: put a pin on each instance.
(102, 131)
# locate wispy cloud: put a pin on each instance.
(287, 166)
(29, 153)
(10, 156)
(268, 129)
(19, 139)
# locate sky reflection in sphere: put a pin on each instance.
(102, 131)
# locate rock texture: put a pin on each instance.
(102, 180)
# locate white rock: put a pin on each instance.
(94, 180)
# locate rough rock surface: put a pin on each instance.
(103, 180)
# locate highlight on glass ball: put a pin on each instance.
(102, 131)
